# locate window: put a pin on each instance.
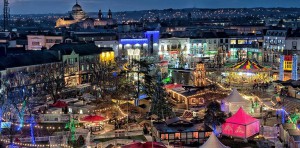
(233, 42)
(207, 134)
(242, 41)
(49, 41)
(35, 43)
(195, 135)
(221, 40)
(71, 61)
(164, 136)
(75, 60)
(226, 40)
(177, 135)
(82, 67)
(294, 44)
(57, 41)
(87, 67)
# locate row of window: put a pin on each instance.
(274, 41)
(195, 135)
(57, 41)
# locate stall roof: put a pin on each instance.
(235, 97)
(241, 117)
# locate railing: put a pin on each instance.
(50, 118)
(135, 132)
(50, 139)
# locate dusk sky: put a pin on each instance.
(62, 6)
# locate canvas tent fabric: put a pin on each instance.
(241, 117)
(91, 118)
(234, 101)
(241, 125)
(234, 96)
(213, 142)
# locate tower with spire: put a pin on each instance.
(100, 15)
(109, 14)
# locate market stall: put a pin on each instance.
(234, 101)
(93, 122)
(241, 125)
(213, 142)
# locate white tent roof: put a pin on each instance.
(235, 97)
(213, 142)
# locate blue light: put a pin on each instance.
(134, 41)
(295, 67)
(282, 116)
(154, 34)
(281, 71)
(32, 124)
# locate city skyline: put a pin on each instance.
(50, 6)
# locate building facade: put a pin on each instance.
(274, 44)
(37, 42)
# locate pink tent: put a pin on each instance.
(241, 125)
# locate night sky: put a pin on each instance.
(62, 6)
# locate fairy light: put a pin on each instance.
(248, 97)
(6, 141)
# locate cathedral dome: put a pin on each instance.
(76, 7)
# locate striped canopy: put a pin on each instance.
(247, 65)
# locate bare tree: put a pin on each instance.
(104, 76)
(53, 79)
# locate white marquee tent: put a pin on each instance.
(234, 101)
(213, 142)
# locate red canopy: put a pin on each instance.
(59, 104)
(92, 118)
(144, 145)
(171, 86)
(241, 117)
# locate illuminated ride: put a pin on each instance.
(247, 72)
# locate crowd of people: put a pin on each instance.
(261, 86)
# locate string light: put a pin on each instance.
(35, 145)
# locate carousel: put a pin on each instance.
(247, 72)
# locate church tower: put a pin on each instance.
(100, 15)
(200, 75)
(109, 14)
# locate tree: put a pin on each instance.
(53, 79)
(17, 90)
(153, 87)
(103, 75)
(213, 115)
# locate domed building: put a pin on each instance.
(77, 12)
(79, 18)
